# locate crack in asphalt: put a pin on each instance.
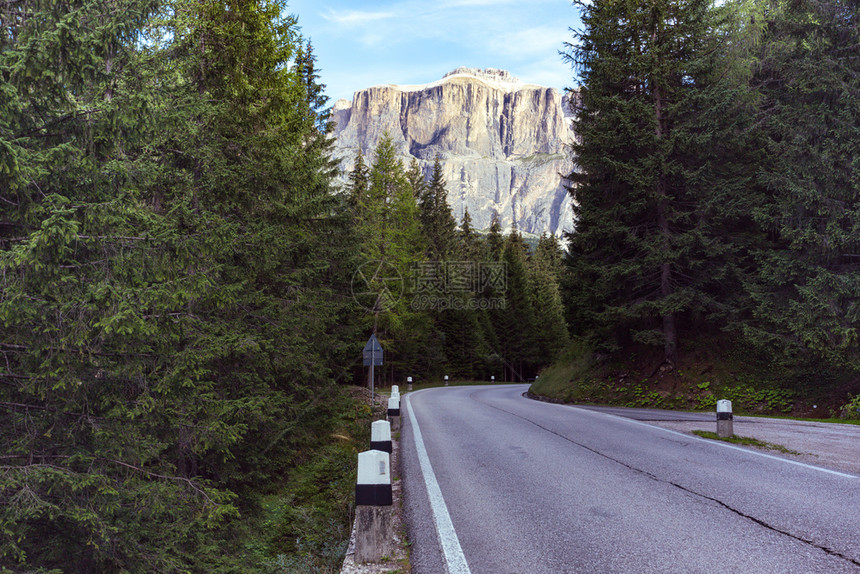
(654, 477)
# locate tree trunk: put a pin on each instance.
(670, 334)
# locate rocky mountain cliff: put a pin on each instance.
(501, 141)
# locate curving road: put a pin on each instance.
(496, 483)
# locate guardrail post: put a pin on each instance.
(446, 380)
(374, 536)
(394, 411)
(724, 419)
(380, 436)
(408, 383)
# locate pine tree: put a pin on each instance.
(660, 177)
(495, 240)
(392, 245)
(415, 177)
(551, 335)
(468, 239)
(807, 283)
(438, 222)
(305, 64)
(167, 306)
(514, 325)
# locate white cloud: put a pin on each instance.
(354, 18)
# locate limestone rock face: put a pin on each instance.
(502, 143)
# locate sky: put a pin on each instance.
(364, 43)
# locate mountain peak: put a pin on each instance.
(488, 74)
(502, 143)
(493, 77)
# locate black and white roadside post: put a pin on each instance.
(380, 436)
(724, 419)
(446, 380)
(394, 411)
(408, 383)
(372, 357)
(374, 535)
(493, 378)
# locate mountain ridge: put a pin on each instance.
(502, 143)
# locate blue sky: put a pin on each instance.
(362, 43)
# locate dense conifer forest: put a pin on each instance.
(180, 323)
(717, 187)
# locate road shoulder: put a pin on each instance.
(829, 445)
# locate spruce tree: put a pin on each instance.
(514, 326)
(550, 329)
(658, 186)
(359, 180)
(391, 244)
(468, 238)
(167, 306)
(415, 177)
(807, 281)
(495, 241)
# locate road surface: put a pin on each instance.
(496, 483)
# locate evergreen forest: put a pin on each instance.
(180, 357)
(185, 287)
(716, 194)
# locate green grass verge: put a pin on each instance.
(808, 420)
(715, 369)
(304, 523)
(574, 365)
(747, 441)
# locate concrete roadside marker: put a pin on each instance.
(374, 535)
(380, 436)
(720, 444)
(725, 425)
(394, 406)
(446, 380)
(408, 383)
(394, 412)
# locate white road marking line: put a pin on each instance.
(714, 442)
(451, 549)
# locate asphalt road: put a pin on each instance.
(495, 483)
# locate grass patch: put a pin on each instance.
(712, 367)
(747, 441)
(808, 420)
(574, 365)
(304, 524)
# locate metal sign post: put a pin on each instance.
(373, 354)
